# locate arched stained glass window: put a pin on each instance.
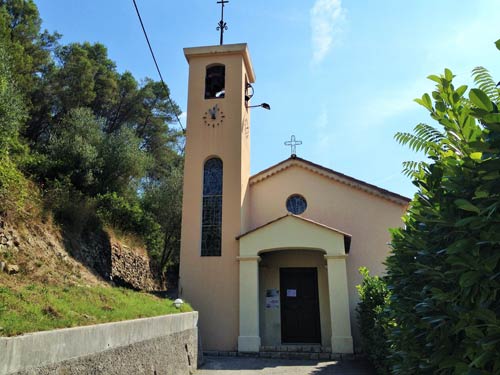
(211, 226)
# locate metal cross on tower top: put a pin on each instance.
(292, 143)
(222, 25)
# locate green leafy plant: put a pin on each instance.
(69, 205)
(89, 131)
(374, 320)
(444, 269)
(13, 185)
(130, 217)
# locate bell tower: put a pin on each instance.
(216, 173)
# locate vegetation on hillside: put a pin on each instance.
(96, 145)
(92, 148)
(444, 269)
(13, 114)
(37, 307)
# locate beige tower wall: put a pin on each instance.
(210, 284)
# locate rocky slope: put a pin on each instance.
(42, 253)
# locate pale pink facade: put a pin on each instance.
(337, 201)
(345, 226)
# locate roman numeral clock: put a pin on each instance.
(214, 116)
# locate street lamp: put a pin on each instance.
(248, 95)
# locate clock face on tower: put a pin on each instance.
(214, 116)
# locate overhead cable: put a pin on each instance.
(156, 64)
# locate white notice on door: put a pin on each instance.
(291, 292)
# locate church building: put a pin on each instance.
(270, 259)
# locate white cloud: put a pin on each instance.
(326, 17)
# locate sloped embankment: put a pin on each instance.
(52, 280)
(36, 253)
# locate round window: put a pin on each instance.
(296, 204)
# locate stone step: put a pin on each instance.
(320, 356)
(296, 348)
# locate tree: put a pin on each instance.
(444, 269)
(124, 163)
(164, 201)
(29, 52)
(73, 150)
(98, 139)
(13, 186)
(12, 110)
(20, 27)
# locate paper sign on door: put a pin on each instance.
(272, 299)
(291, 292)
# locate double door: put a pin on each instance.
(300, 319)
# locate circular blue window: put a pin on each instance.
(296, 204)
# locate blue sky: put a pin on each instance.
(339, 74)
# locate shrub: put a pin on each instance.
(374, 320)
(14, 188)
(119, 212)
(69, 206)
(444, 270)
(13, 185)
(128, 216)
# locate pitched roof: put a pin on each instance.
(329, 173)
(347, 237)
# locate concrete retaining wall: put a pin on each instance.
(160, 345)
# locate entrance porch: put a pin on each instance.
(293, 287)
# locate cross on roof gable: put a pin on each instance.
(329, 173)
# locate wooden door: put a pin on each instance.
(300, 322)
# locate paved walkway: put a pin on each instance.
(264, 366)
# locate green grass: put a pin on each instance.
(38, 308)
